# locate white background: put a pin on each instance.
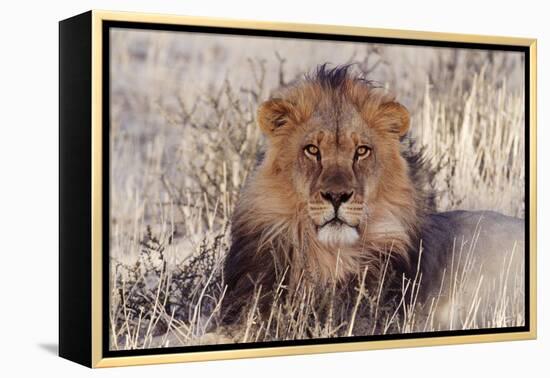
(29, 186)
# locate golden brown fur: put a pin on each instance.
(333, 194)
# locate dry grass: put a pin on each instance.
(184, 139)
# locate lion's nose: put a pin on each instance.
(336, 198)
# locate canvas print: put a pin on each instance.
(268, 188)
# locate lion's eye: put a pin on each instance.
(362, 152)
(312, 150)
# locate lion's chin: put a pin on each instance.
(337, 234)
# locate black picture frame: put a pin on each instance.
(82, 286)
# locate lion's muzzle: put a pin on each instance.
(336, 217)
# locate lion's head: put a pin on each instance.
(334, 192)
(335, 140)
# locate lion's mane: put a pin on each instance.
(271, 242)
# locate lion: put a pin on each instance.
(340, 191)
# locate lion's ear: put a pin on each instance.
(274, 114)
(394, 117)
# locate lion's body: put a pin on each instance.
(340, 192)
(473, 263)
